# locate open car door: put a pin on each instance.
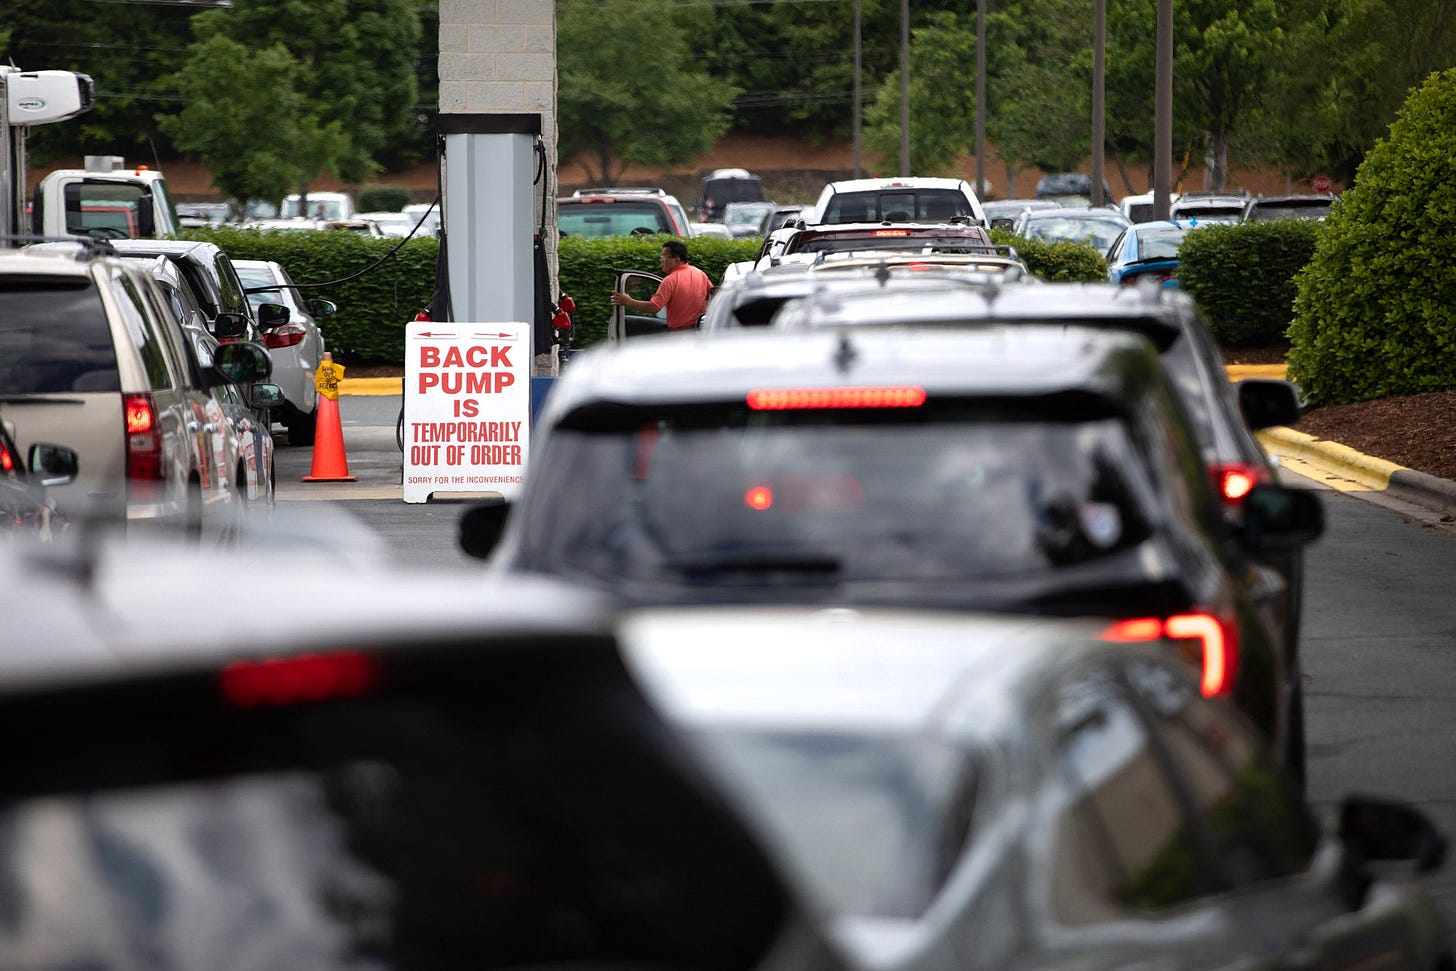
(641, 286)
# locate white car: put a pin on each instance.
(295, 343)
(910, 199)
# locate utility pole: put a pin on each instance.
(981, 98)
(1099, 104)
(905, 87)
(858, 119)
(1163, 112)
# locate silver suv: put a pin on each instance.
(90, 359)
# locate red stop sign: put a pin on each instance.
(1321, 183)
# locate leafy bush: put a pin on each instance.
(1066, 261)
(1242, 276)
(383, 198)
(588, 271)
(1376, 310)
(375, 299)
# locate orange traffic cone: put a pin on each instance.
(329, 462)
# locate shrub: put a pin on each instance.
(588, 271)
(1242, 276)
(1066, 261)
(383, 198)
(375, 301)
(1375, 313)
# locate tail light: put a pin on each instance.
(788, 399)
(294, 680)
(1209, 641)
(285, 336)
(1234, 480)
(143, 438)
(7, 461)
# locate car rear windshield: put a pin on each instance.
(54, 336)
(615, 218)
(955, 494)
(1271, 211)
(900, 240)
(480, 817)
(897, 205)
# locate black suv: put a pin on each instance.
(1041, 470)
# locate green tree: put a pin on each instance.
(1376, 309)
(356, 68)
(246, 118)
(942, 101)
(628, 86)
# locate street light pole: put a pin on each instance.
(981, 97)
(1163, 112)
(905, 87)
(1099, 84)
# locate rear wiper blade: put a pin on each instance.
(754, 562)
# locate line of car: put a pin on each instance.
(831, 516)
(145, 360)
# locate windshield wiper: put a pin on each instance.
(699, 564)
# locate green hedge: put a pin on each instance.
(1376, 309)
(588, 271)
(1242, 276)
(1061, 262)
(373, 308)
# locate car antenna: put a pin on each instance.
(883, 274)
(844, 354)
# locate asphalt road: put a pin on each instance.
(1379, 629)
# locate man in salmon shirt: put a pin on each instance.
(683, 290)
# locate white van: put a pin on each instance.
(321, 205)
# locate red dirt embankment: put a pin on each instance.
(793, 170)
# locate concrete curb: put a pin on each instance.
(1375, 475)
(371, 386)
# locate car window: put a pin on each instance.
(905, 804)
(887, 239)
(1251, 812)
(228, 283)
(705, 498)
(617, 218)
(54, 336)
(1159, 244)
(155, 356)
(897, 205)
(1120, 838)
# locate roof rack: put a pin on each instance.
(87, 247)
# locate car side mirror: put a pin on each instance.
(53, 465)
(1277, 518)
(321, 308)
(265, 396)
(1266, 402)
(272, 315)
(1390, 830)
(227, 326)
(481, 526)
(241, 362)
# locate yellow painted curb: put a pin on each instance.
(1237, 372)
(371, 386)
(1371, 472)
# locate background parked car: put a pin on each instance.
(1097, 228)
(1266, 208)
(1147, 251)
(985, 792)
(1209, 206)
(1071, 189)
(1001, 213)
(296, 345)
(899, 200)
(321, 206)
(722, 186)
(620, 212)
(745, 219)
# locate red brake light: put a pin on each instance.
(891, 232)
(306, 678)
(788, 399)
(7, 463)
(143, 438)
(1234, 480)
(758, 497)
(1213, 643)
(285, 336)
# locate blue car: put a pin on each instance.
(1147, 251)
